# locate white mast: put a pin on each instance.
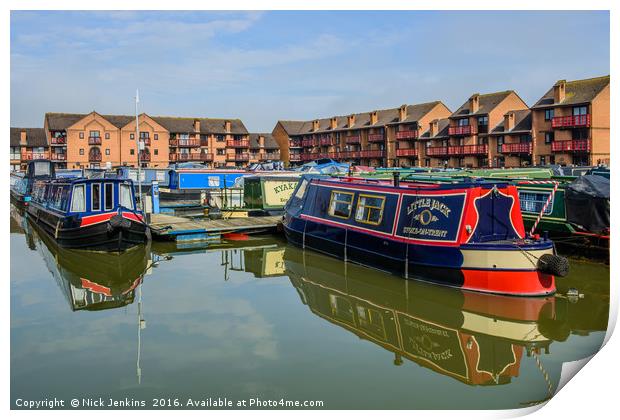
(139, 151)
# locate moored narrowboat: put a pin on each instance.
(468, 234)
(22, 183)
(94, 214)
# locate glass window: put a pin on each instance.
(81, 134)
(580, 110)
(131, 152)
(483, 120)
(549, 137)
(463, 122)
(131, 136)
(125, 196)
(93, 134)
(96, 197)
(302, 189)
(155, 136)
(340, 204)
(533, 202)
(156, 152)
(41, 168)
(78, 199)
(107, 152)
(109, 196)
(369, 209)
(548, 114)
(107, 135)
(82, 152)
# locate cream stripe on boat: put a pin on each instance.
(502, 259)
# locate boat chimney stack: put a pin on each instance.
(396, 178)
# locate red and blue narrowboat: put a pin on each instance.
(468, 234)
(96, 214)
(22, 182)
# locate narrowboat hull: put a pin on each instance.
(115, 231)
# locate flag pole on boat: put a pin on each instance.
(140, 147)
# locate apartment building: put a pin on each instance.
(27, 144)
(96, 140)
(263, 147)
(511, 141)
(388, 137)
(470, 126)
(570, 123)
(434, 141)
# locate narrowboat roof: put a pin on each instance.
(453, 183)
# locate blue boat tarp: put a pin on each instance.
(324, 167)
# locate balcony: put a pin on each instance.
(58, 140)
(376, 137)
(309, 143)
(295, 143)
(191, 157)
(146, 140)
(238, 144)
(407, 135)
(58, 156)
(173, 142)
(294, 157)
(238, 157)
(517, 148)
(472, 149)
(571, 121)
(310, 156)
(189, 142)
(437, 151)
(353, 140)
(34, 155)
(94, 157)
(94, 141)
(325, 141)
(144, 156)
(406, 152)
(464, 130)
(371, 154)
(270, 156)
(571, 146)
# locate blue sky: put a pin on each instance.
(265, 66)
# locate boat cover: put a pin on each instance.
(587, 203)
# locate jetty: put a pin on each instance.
(183, 229)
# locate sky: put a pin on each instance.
(263, 67)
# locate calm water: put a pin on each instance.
(261, 319)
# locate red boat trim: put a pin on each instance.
(96, 288)
(96, 218)
(521, 236)
(133, 216)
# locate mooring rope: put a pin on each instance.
(544, 373)
(556, 184)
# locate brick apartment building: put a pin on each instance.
(263, 147)
(27, 144)
(388, 137)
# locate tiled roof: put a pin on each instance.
(487, 103)
(577, 92)
(270, 142)
(35, 137)
(523, 122)
(60, 121)
(362, 120)
(442, 130)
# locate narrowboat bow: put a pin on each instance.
(468, 235)
(94, 214)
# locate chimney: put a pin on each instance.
(227, 126)
(22, 138)
(333, 123)
(434, 129)
(373, 118)
(402, 113)
(261, 141)
(351, 120)
(474, 103)
(197, 125)
(559, 91)
(509, 121)
(315, 125)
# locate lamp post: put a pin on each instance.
(139, 150)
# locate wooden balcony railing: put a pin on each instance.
(239, 144)
(472, 149)
(94, 157)
(309, 142)
(146, 140)
(464, 130)
(517, 148)
(571, 146)
(145, 157)
(295, 143)
(238, 157)
(294, 157)
(325, 142)
(189, 142)
(58, 140)
(371, 154)
(173, 142)
(270, 156)
(191, 157)
(376, 137)
(353, 139)
(407, 134)
(406, 152)
(34, 155)
(58, 156)
(94, 141)
(571, 121)
(437, 151)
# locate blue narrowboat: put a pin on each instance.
(468, 235)
(97, 214)
(22, 183)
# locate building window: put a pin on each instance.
(549, 137)
(548, 114)
(155, 136)
(219, 137)
(463, 122)
(107, 136)
(144, 134)
(131, 152)
(580, 134)
(525, 138)
(543, 160)
(94, 134)
(131, 136)
(500, 142)
(340, 204)
(369, 209)
(107, 152)
(81, 134)
(580, 110)
(156, 152)
(221, 152)
(483, 120)
(82, 152)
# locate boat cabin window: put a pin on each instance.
(340, 204)
(96, 197)
(369, 209)
(302, 189)
(41, 169)
(533, 202)
(125, 196)
(78, 198)
(109, 196)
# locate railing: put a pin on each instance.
(295, 143)
(571, 146)
(309, 143)
(146, 140)
(353, 139)
(407, 134)
(238, 157)
(144, 157)
(34, 155)
(406, 152)
(463, 130)
(270, 156)
(187, 157)
(571, 121)
(517, 148)
(437, 151)
(173, 142)
(325, 140)
(58, 140)
(189, 142)
(240, 144)
(376, 137)
(294, 157)
(94, 141)
(58, 156)
(473, 149)
(371, 154)
(310, 156)
(94, 157)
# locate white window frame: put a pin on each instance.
(92, 196)
(73, 202)
(105, 201)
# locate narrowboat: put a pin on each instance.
(263, 195)
(468, 234)
(93, 214)
(22, 183)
